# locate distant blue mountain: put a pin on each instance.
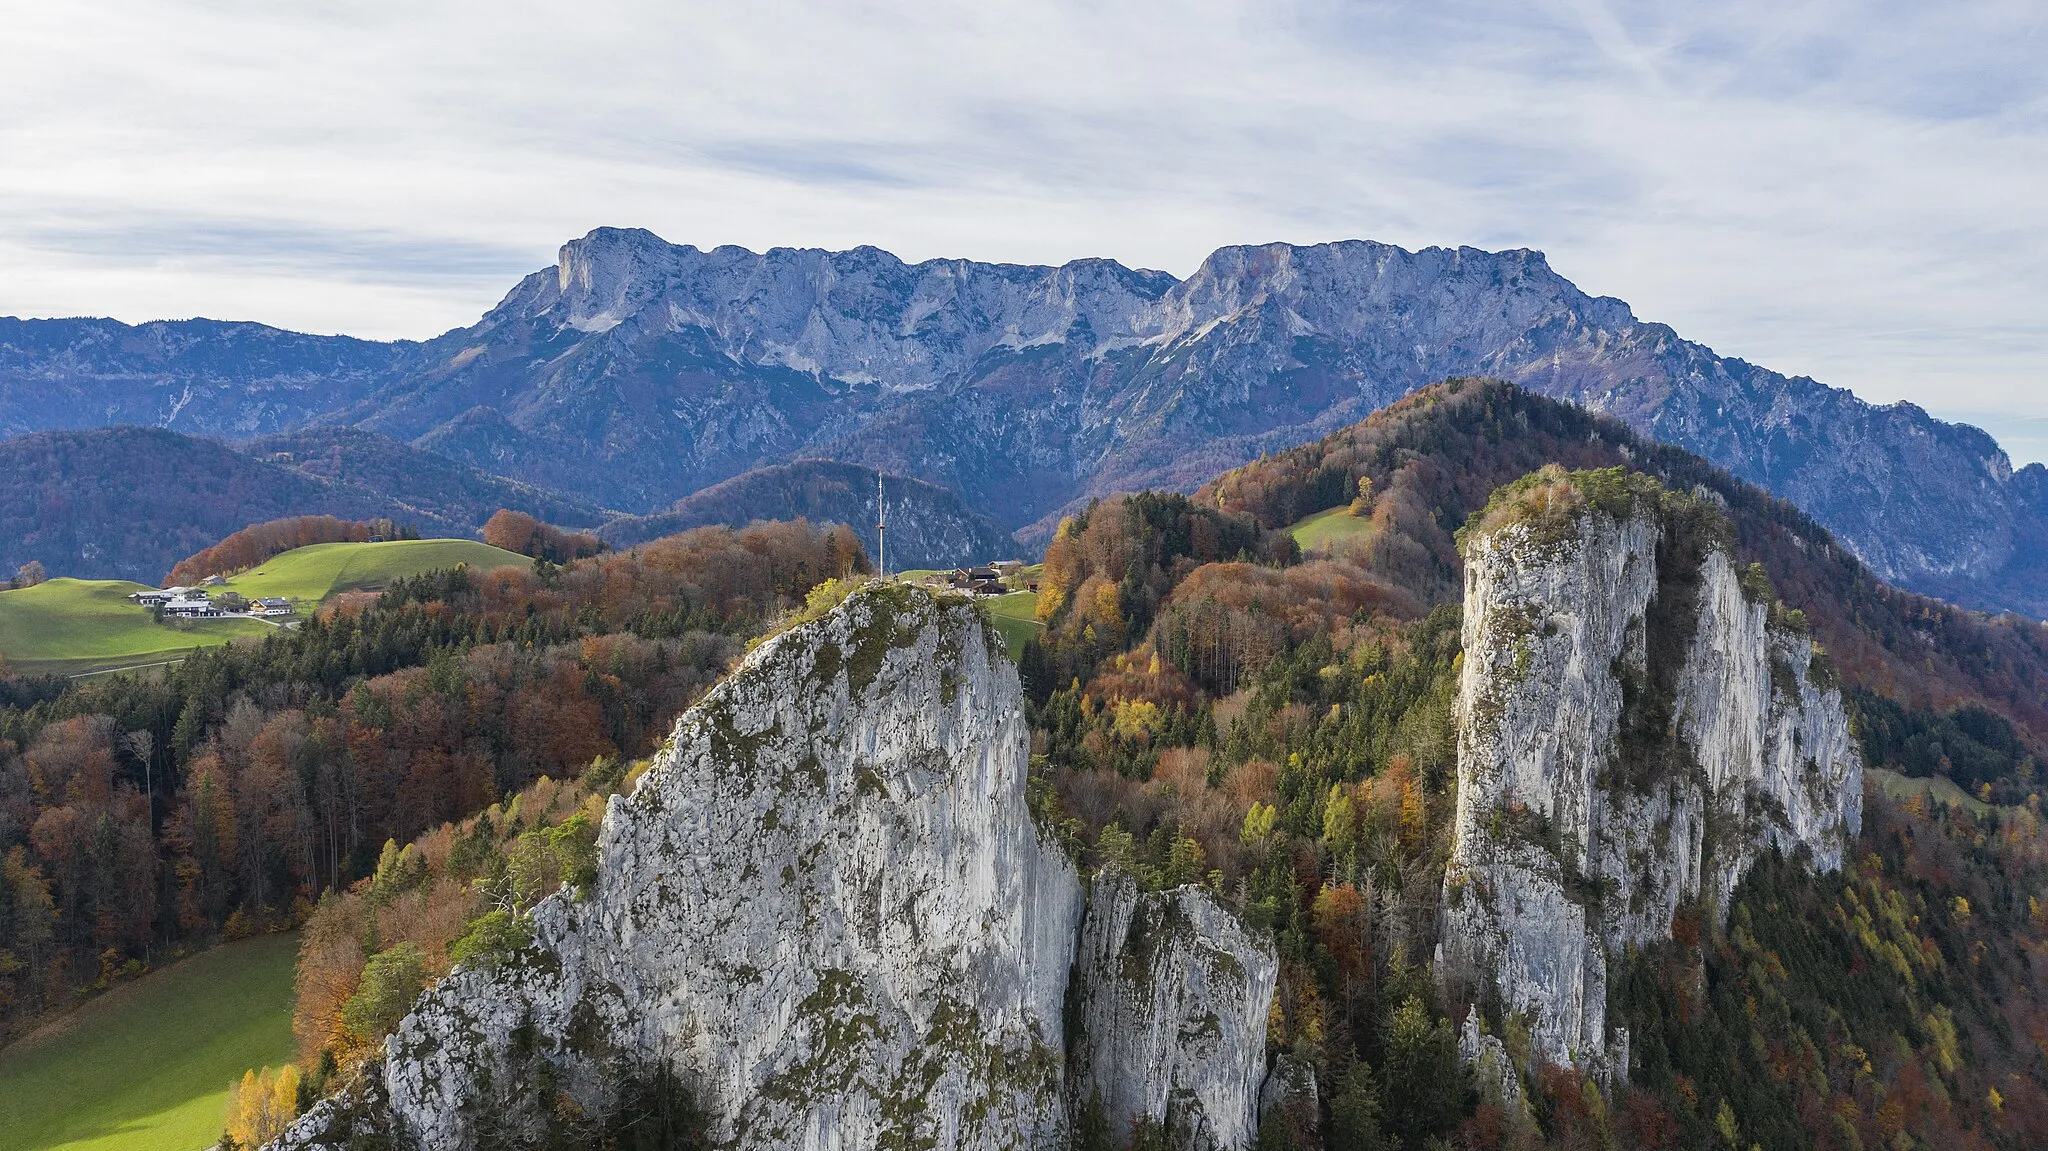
(199, 376)
(636, 372)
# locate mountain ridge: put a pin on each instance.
(635, 372)
(209, 377)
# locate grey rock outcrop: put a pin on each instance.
(1291, 1100)
(1170, 1001)
(1491, 1064)
(1634, 727)
(826, 905)
(828, 910)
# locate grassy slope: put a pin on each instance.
(1325, 530)
(69, 625)
(1936, 788)
(313, 573)
(146, 1067)
(1016, 617)
(92, 623)
(1015, 614)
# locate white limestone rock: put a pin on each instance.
(357, 1116)
(1633, 729)
(1290, 1099)
(1170, 1001)
(1491, 1064)
(826, 906)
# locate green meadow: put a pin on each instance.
(1324, 531)
(146, 1066)
(1936, 789)
(1016, 616)
(71, 626)
(309, 575)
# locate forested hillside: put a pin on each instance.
(252, 545)
(928, 526)
(1286, 730)
(1433, 458)
(1208, 707)
(434, 485)
(128, 503)
(228, 794)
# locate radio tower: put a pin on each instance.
(881, 529)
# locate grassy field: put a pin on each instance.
(1015, 614)
(68, 625)
(1938, 789)
(311, 574)
(146, 1066)
(1323, 531)
(1016, 617)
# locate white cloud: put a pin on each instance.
(1852, 191)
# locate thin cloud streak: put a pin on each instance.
(1846, 191)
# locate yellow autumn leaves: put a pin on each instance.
(262, 1105)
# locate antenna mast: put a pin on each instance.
(881, 528)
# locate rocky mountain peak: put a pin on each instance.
(1637, 721)
(827, 910)
(610, 274)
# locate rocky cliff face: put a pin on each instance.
(1169, 1019)
(1637, 721)
(826, 907)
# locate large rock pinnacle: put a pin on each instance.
(1638, 719)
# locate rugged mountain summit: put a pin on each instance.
(828, 910)
(1637, 721)
(1025, 388)
(635, 372)
(695, 366)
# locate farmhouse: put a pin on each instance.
(155, 596)
(271, 605)
(984, 580)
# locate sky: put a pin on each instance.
(1852, 191)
